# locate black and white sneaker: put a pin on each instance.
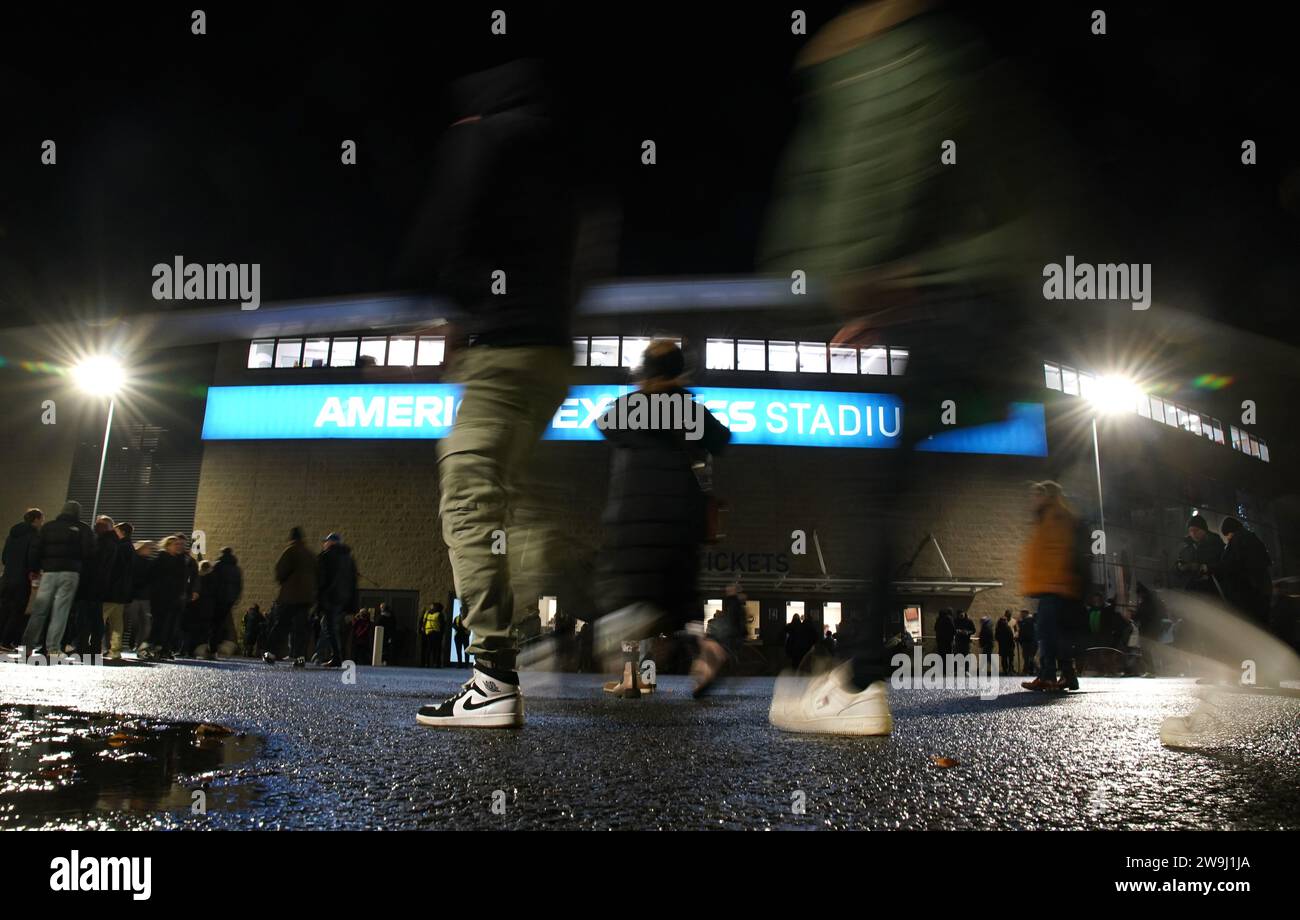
(483, 702)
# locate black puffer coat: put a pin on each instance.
(655, 517)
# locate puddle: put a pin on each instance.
(63, 767)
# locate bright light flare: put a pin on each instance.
(99, 376)
(1115, 395)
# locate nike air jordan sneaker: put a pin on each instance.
(484, 701)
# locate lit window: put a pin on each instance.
(875, 361)
(1157, 408)
(374, 351)
(401, 351)
(1052, 373)
(1144, 407)
(1069, 381)
(720, 355)
(844, 359)
(751, 355)
(604, 351)
(1183, 419)
(344, 353)
(793, 609)
(288, 353)
(1263, 451)
(897, 361)
(261, 353)
(1218, 432)
(712, 607)
(1236, 437)
(316, 353)
(782, 356)
(1171, 415)
(433, 350)
(634, 351)
(581, 349)
(1194, 423)
(812, 357)
(1254, 446)
(832, 613)
(1086, 382)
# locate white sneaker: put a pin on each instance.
(829, 704)
(483, 702)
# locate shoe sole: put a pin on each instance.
(874, 726)
(502, 720)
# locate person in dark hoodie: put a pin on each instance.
(202, 612)
(1006, 638)
(118, 593)
(138, 614)
(95, 588)
(228, 586)
(295, 571)
(496, 236)
(656, 516)
(16, 583)
(1243, 572)
(170, 589)
(61, 552)
(336, 594)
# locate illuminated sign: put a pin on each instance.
(792, 418)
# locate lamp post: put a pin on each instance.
(100, 376)
(1111, 395)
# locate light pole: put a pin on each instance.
(100, 376)
(1111, 395)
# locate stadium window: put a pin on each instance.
(1218, 432)
(1069, 381)
(1086, 382)
(401, 351)
(1263, 451)
(1194, 423)
(288, 353)
(875, 361)
(897, 361)
(1171, 415)
(633, 351)
(1052, 375)
(433, 349)
(316, 353)
(344, 353)
(751, 355)
(782, 356)
(581, 348)
(844, 359)
(812, 357)
(720, 354)
(1183, 418)
(261, 353)
(1236, 437)
(604, 351)
(374, 351)
(1144, 407)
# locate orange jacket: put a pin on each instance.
(1049, 564)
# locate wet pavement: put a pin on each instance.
(318, 752)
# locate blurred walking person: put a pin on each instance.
(656, 517)
(16, 583)
(61, 552)
(138, 613)
(228, 587)
(336, 595)
(1050, 573)
(120, 588)
(170, 590)
(496, 237)
(295, 572)
(1028, 642)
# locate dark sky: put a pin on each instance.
(225, 147)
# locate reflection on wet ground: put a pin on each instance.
(64, 768)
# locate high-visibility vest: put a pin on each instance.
(432, 621)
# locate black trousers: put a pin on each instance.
(431, 649)
(291, 619)
(14, 596)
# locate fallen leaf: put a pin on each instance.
(944, 761)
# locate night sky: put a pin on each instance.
(225, 147)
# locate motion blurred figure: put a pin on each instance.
(941, 256)
(1050, 572)
(496, 238)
